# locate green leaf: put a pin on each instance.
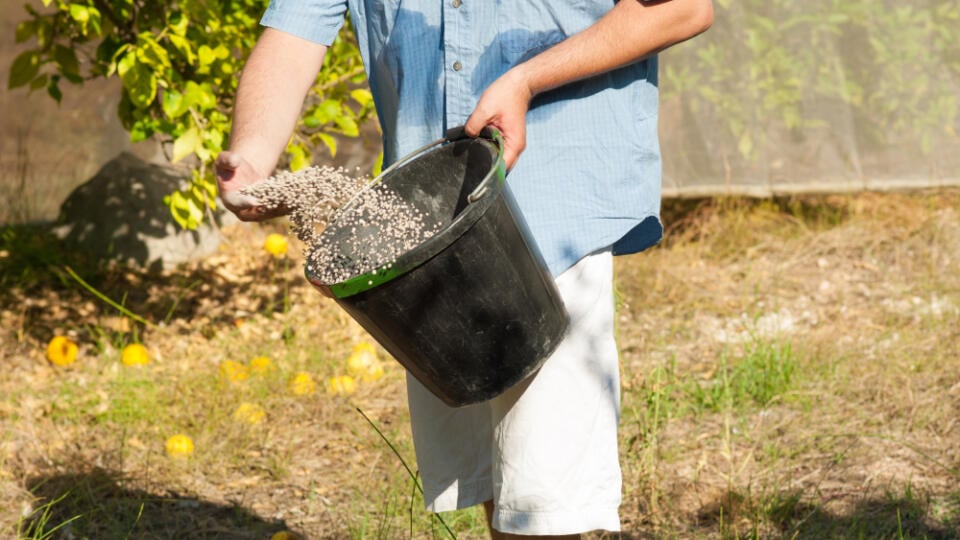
(201, 96)
(213, 139)
(361, 96)
(348, 125)
(173, 104)
(66, 58)
(39, 82)
(53, 89)
(81, 14)
(185, 210)
(151, 53)
(142, 129)
(138, 80)
(378, 165)
(186, 144)
(178, 24)
(206, 55)
(25, 30)
(330, 143)
(108, 51)
(327, 110)
(87, 17)
(207, 187)
(184, 47)
(24, 68)
(298, 157)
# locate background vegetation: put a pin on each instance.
(178, 63)
(826, 95)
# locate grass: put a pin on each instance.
(789, 371)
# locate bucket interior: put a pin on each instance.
(436, 183)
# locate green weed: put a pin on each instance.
(763, 373)
(39, 524)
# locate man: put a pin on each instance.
(571, 85)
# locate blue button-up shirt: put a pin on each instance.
(590, 175)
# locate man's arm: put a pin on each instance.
(273, 84)
(631, 31)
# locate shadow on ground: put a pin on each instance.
(902, 515)
(36, 283)
(97, 504)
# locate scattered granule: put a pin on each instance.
(310, 195)
(370, 227)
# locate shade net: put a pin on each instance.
(826, 95)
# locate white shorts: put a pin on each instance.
(545, 451)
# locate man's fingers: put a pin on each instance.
(226, 164)
(474, 124)
(510, 155)
(236, 199)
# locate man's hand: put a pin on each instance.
(503, 106)
(233, 174)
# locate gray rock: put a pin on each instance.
(119, 215)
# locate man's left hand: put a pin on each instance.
(503, 106)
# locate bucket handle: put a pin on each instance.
(489, 133)
(453, 134)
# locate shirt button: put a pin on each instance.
(456, 3)
(457, 66)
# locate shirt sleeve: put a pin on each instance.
(318, 21)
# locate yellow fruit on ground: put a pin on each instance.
(361, 358)
(276, 245)
(179, 446)
(61, 351)
(234, 372)
(286, 535)
(302, 384)
(365, 346)
(135, 354)
(363, 362)
(250, 413)
(341, 386)
(372, 373)
(261, 366)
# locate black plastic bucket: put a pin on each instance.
(471, 311)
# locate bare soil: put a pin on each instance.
(858, 294)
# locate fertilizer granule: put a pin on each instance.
(381, 225)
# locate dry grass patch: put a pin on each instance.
(790, 370)
(863, 293)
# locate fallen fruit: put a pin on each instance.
(261, 366)
(61, 351)
(276, 245)
(302, 384)
(233, 372)
(179, 446)
(341, 386)
(250, 413)
(372, 373)
(286, 535)
(135, 354)
(363, 362)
